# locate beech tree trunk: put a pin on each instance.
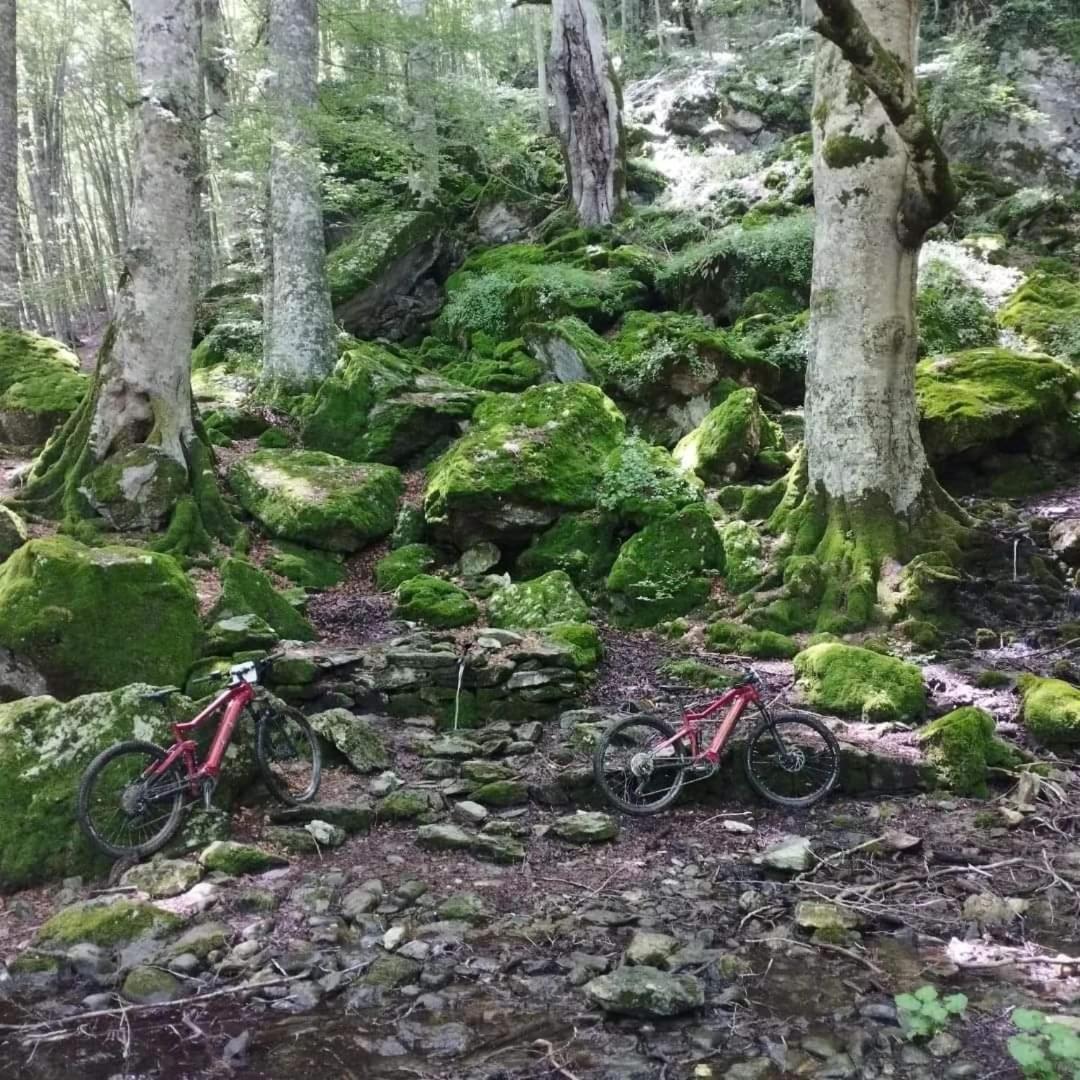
(9, 169)
(541, 70)
(301, 341)
(865, 499)
(419, 74)
(588, 108)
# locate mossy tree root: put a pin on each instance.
(849, 564)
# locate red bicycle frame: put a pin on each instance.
(738, 698)
(231, 702)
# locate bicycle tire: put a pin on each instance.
(93, 774)
(263, 752)
(766, 725)
(600, 771)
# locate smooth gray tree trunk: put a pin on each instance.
(9, 170)
(541, 70)
(301, 342)
(420, 73)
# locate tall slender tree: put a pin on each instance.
(136, 430)
(588, 109)
(419, 74)
(9, 169)
(300, 347)
(865, 499)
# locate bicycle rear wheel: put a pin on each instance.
(289, 756)
(792, 759)
(124, 812)
(636, 773)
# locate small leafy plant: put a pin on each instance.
(1045, 1050)
(923, 1014)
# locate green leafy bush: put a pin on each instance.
(923, 1014)
(1045, 1050)
(952, 314)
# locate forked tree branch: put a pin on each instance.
(843, 25)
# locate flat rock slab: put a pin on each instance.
(646, 992)
(586, 827)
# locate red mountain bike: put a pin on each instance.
(643, 762)
(132, 795)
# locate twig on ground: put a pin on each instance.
(849, 953)
(549, 1057)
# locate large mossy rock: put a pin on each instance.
(962, 746)
(850, 681)
(525, 460)
(1051, 710)
(13, 532)
(316, 498)
(40, 386)
(380, 264)
(136, 488)
(97, 618)
(646, 993)
(376, 406)
(972, 401)
(643, 483)
(528, 605)
(44, 747)
(235, 345)
(666, 570)
(246, 590)
(725, 446)
(582, 545)
(1046, 310)
(435, 601)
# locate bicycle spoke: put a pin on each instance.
(792, 761)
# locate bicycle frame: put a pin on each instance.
(230, 702)
(738, 698)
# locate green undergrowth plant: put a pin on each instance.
(1044, 1050)
(924, 1013)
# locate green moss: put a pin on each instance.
(376, 406)
(247, 590)
(993, 680)
(695, 673)
(40, 386)
(96, 618)
(403, 563)
(375, 246)
(106, 924)
(724, 446)
(235, 859)
(1051, 710)
(186, 534)
(743, 565)
(13, 532)
(136, 488)
(569, 350)
(501, 793)
(975, 399)
(514, 373)
(581, 545)
(305, 566)
(848, 151)
(760, 644)
(643, 483)
(546, 447)
(274, 439)
(236, 345)
(850, 681)
(665, 570)
(961, 746)
(316, 498)
(434, 601)
(236, 300)
(540, 602)
(581, 639)
(1046, 309)
(952, 314)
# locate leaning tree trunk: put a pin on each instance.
(588, 108)
(9, 170)
(864, 498)
(132, 452)
(300, 347)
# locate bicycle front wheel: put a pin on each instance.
(289, 756)
(124, 811)
(634, 768)
(792, 759)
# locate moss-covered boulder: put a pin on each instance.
(850, 681)
(1046, 310)
(643, 483)
(666, 569)
(375, 406)
(544, 600)
(354, 738)
(307, 567)
(237, 300)
(972, 401)
(744, 640)
(246, 590)
(582, 545)
(568, 350)
(97, 618)
(40, 386)
(136, 488)
(1051, 710)
(44, 747)
(580, 640)
(230, 857)
(725, 446)
(237, 633)
(13, 532)
(962, 746)
(107, 923)
(403, 563)
(743, 562)
(525, 460)
(317, 499)
(235, 344)
(435, 601)
(145, 985)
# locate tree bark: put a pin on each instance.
(9, 169)
(141, 394)
(419, 77)
(541, 70)
(300, 346)
(865, 497)
(588, 108)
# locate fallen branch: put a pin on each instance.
(836, 856)
(549, 1057)
(849, 953)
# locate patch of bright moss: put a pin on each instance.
(1051, 710)
(850, 681)
(962, 746)
(403, 563)
(723, 447)
(107, 925)
(436, 602)
(745, 641)
(542, 601)
(306, 566)
(582, 545)
(247, 590)
(40, 385)
(1046, 309)
(581, 639)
